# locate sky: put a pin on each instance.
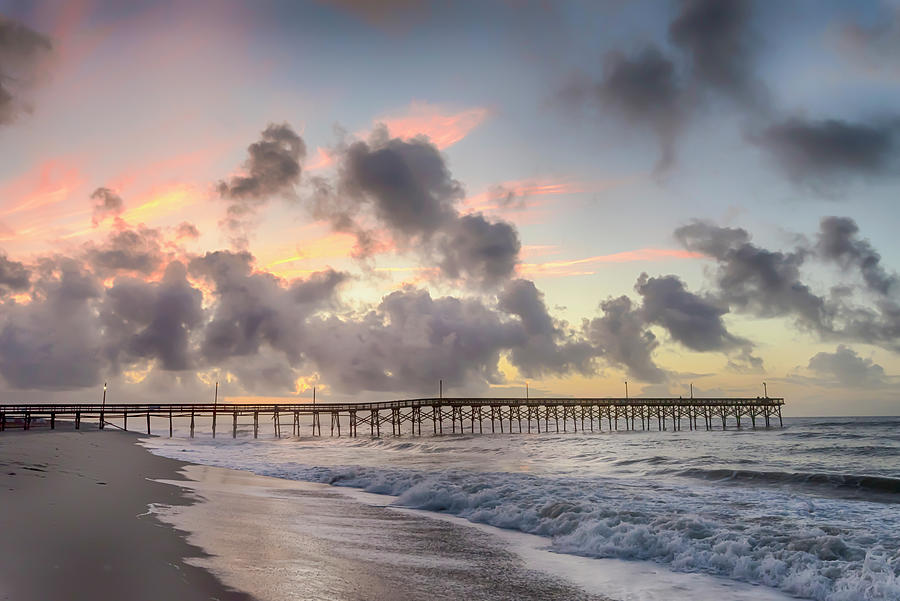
(371, 197)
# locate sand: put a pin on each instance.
(74, 522)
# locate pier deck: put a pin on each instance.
(440, 415)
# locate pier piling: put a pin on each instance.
(505, 414)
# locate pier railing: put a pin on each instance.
(459, 415)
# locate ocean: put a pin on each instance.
(810, 511)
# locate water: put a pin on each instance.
(812, 510)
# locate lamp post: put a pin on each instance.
(526, 390)
(626, 390)
(215, 403)
(692, 390)
(103, 406)
(765, 391)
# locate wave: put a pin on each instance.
(875, 484)
(779, 542)
(798, 544)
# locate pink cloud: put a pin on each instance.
(442, 126)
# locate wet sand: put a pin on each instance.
(287, 540)
(74, 522)
(93, 515)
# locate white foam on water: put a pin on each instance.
(613, 578)
(807, 545)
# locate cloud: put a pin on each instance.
(768, 283)
(650, 88)
(694, 321)
(546, 347)
(479, 251)
(410, 341)
(716, 35)
(186, 229)
(756, 280)
(21, 50)
(620, 336)
(138, 250)
(272, 169)
(847, 368)
(14, 276)
(837, 241)
(407, 183)
(54, 342)
(819, 153)
(875, 45)
(106, 204)
(443, 127)
(253, 309)
(152, 320)
(98, 316)
(644, 89)
(404, 189)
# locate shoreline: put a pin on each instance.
(75, 523)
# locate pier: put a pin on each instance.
(407, 417)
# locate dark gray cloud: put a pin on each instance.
(838, 241)
(846, 368)
(106, 204)
(645, 90)
(410, 341)
(152, 320)
(138, 250)
(253, 309)
(716, 35)
(21, 49)
(406, 182)
(14, 276)
(756, 280)
(54, 342)
(649, 88)
(272, 169)
(479, 250)
(620, 337)
(694, 321)
(768, 283)
(820, 153)
(405, 187)
(545, 345)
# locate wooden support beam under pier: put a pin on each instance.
(506, 415)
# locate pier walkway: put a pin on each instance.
(440, 415)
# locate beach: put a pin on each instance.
(613, 516)
(75, 524)
(91, 515)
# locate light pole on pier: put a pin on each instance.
(692, 390)
(526, 390)
(765, 391)
(626, 390)
(440, 389)
(103, 406)
(215, 403)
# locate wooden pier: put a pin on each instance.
(406, 417)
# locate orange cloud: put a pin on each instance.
(582, 266)
(443, 128)
(324, 158)
(161, 201)
(47, 184)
